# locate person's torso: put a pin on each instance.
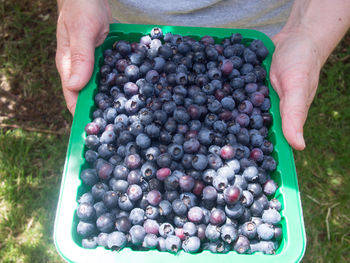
(268, 16)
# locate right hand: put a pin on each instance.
(82, 25)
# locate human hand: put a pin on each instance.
(295, 69)
(82, 25)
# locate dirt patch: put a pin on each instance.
(30, 92)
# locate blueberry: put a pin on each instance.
(256, 140)
(191, 244)
(278, 233)
(262, 52)
(134, 177)
(229, 233)
(186, 183)
(86, 229)
(227, 152)
(242, 244)
(199, 162)
(150, 241)
(234, 211)
(166, 229)
(256, 154)
(228, 103)
(136, 128)
(250, 173)
(234, 165)
(220, 126)
(89, 243)
(265, 231)
(161, 244)
(179, 207)
(176, 151)
(212, 232)
(151, 226)
(271, 216)
(105, 222)
(205, 136)
(249, 229)
(123, 224)
(132, 161)
(217, 217)
(189, 229)
(270, 187)
(102, 239)
(191, 146)
(267, 147)
(152, 212)
(189, 199)
(86, 211)
(110, 199)
(220, 182)
(269, 164)
(125, 203)
(134, 192)
(275, 204)
(195, 214)
(243, 120)
(173, 243)
(105, 171)
(137, 234)
(263, 200)
(136, 216)
(86, 198)
(209, 193)
(232, 194)
(120, 172)
(256, 208)
(215, 106)
(156, 32)
(181, 116)
(89, 176)
(247, 198)
(92, 142)
(98, 190)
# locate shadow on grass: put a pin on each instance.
(30, 92)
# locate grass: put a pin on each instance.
(30, 169)
(31, 163)
(323, 168)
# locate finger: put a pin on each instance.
(63, 64)
(82, 47)
(71, 98)
(63, 53)
(294, 112)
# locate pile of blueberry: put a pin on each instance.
(178, 149)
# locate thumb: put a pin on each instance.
(294, 110)
(82, 48)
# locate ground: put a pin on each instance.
(35, 125)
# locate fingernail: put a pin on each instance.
(300, 139)
(73, 81)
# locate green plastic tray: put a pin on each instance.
(68, 243)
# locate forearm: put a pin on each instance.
(325, 21)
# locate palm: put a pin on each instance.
(294, 75)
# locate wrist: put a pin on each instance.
(60, 5)
(324, 22)
(308, 41)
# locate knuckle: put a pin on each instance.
(78, 57)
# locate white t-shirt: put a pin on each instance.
(268, 16)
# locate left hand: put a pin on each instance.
(295, 69)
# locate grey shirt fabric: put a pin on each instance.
(268, 16)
